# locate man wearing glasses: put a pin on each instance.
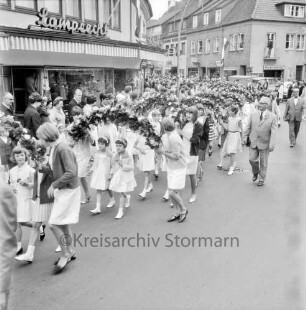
(7, 106)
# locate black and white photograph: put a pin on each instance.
(152, 154)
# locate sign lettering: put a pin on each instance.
(71, 26)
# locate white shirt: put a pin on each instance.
(296, 101)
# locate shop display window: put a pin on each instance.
(63, 82)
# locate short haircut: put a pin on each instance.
(122, 141)
(168, 124)
(194, 112)
(19, 150)
(57, 100)
(103, 96)
(127, 89)
(35, 97)
(77, 91)
(48, 132)
(134, 95)
(91, 99)
(234, 109)
(76, 111)
(103, 140)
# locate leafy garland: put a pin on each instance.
(116, 115)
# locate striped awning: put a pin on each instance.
(13, 46)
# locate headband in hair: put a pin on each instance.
(104, 138)
(122, 141)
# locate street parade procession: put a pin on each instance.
(152, 162)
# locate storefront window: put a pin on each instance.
(90, 9)
(73, 8)
(63, 82)
(29, 4)
(5, 2)
(53, 6)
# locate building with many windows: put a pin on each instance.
(228, 37)
(56, 46)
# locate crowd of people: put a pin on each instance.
(206, 115)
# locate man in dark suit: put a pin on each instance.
(31, 116)
(294, 112)
(75, 101)
(7, 106)
(8, 241)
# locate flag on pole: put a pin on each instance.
(225, 45)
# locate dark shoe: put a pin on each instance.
(291, 145)
(260, 183)
(42, 234)
(173, 218)
(219, 145)
(255, 177)
(61, 264)
(156, 176)
(183, 217)
(219, 167)
(20, 251)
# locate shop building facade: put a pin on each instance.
(241, 37)
(56, 46)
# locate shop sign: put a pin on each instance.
(230, 69)
(72, 26)
(194, 59)
(276, 67)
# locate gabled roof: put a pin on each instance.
(268, 10)
(242, 10)
(153, 23)
(245, 10)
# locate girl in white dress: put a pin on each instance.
(101, 173)
(122, 174)
(232, 144)
(146, 163)
(21, 178)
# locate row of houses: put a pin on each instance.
(234, 37)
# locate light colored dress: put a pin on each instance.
(146, 162)
(192, 161)
(101, 171)
(123, 180)
(176, 169)
(232, 143)
(24, 195)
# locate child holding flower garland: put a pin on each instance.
(122, 175)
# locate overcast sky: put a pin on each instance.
(159, 7)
